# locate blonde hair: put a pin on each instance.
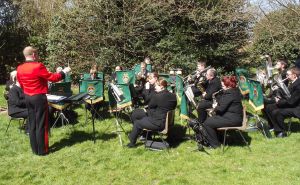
(29, 50)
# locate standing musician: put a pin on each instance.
(213, 85)
(33, 78)
(283, 108)
(155, 117)
(229, 110)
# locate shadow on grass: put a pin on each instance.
(79, 137)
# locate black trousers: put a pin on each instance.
(138, 114)
(277, 115)
(201, 109)
(212, 123)
(140, 124)
(37, 106)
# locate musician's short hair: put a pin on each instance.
(295, 70)
(202, 61)
(143, 64)
(29, 50)
(155, 74)
(212, 71)
(163, 82)
(229, 81)
(13, 76)
(283, 61)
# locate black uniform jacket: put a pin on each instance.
(148, 93)
(212, 86)
(159, 105)
(16, 100)
(294, 100)
(230, 104)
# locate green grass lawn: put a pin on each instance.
(75, 159)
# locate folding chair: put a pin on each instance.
(239, 129)
(20, 120)
(169, 123)
(289, 132)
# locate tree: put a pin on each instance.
(277, 32)
(173, 33)
(12, 38)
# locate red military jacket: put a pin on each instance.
(33, 77)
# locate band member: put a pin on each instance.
(283, 108)
(229, 110)
(213, 85)
(149, 89)
(93, 76)
(281, 66)
(33, 78)
(16, 102)
(10, 83)
(114, 74)
(199, 77)
(155, 117)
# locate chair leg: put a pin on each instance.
(164, 142)
(147, 132)
(244, 140)
(224, 140)
(8, 125)
(289, 127)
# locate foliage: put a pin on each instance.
(12, 38)
(277, 33)
(113, 32)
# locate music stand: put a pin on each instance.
(62, 90)
(94, 88)
(119, 100)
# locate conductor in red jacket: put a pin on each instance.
(33, 78)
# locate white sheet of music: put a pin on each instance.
(51, 97)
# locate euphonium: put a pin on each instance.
(279, 83)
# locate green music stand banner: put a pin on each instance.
(125, 98)
(137, 68)
(125, 77)
(94, 88)
(60, 89)
(242, 76)
(182, 99)
(256, 99)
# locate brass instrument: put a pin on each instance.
(193, 77)
(279, 83)
(211, 112)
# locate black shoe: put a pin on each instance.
(281, 134)
(130, 145)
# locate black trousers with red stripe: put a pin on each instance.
(37, 106)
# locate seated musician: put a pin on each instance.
(285, 107)
(155, 116)
(141, 77)
(228, 111)
(281, 66)
(213, 85)
(10, 83)
(113, 77)
(93, 76)
(16, 102)
(149, 88)
(199, 78)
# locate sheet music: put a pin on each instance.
(55, 98)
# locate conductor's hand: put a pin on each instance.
(66, 70)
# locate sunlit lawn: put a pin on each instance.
(75, 159)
